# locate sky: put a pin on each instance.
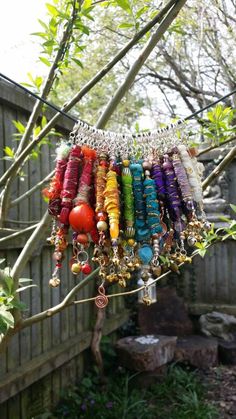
(19, 50)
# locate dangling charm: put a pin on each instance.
(101, 300)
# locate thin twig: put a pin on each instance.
(220, 168)
(146, 51)
(32, 190)
(66, 302)
(29, 248)
(17, 234)
(5, 197)
(212, 147)
(20, 159)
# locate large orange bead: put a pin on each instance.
(81, 218)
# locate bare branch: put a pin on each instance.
(146, 51)
(49, 80)
(212, 147)
(30, 246)
(17, 233)
(220, 168)
(17, 163)
(32, 190)
(66, 302)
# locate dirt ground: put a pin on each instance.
(221, 389)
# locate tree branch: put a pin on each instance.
(17, 234)
(212, 147)
(66, 302)
(49, 80)
(32, 190)
(30, 246)
(146, 51)
(221, 166)
(20, 159)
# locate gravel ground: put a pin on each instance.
(221, 389)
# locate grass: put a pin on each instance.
(179, 396)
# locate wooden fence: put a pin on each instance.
(43, 359)
(210, 283)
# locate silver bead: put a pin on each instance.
(191, 241)
(207, 226)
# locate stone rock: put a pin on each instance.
(227, 352)
(197, 351)
(168, 316)
(218, 324)
(145, 353)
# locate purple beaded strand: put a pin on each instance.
(173, 199)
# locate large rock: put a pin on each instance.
(197, 351)
(227, 352)
(145, 353)
(218, 324)
(168, 316)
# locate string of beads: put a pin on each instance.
(138, 199)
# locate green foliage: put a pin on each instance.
(9, 298)
(219, 126)
(217, 235)
(179, 396)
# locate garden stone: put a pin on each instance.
(145, 353)
(218, 324)
(197, 351)
(161, 318)
(227, 352)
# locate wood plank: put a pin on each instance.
(66, 322)
(4, 411)
(46, 269)
(208, 277)
(9, 114)
(36, 329)
(56, 385)
(25, 375)
(2, 141)
(222, 273)
(13, 348)
(232, 271)
(14, 407)
(3, 355)
(25, 334)
(25, 403)
(14, 97)
(23, 183)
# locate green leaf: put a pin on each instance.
(41, 34)
(19, 126)
(45, 61)
(78, 62)
(43, 121)
(2, 261)
(87, 4)
(7, 317)
(9, 282)
(141, 11)
(9, 152)
(52, 10)
(125, 25)
(124, 4)
(43, 24)
(233, 207)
